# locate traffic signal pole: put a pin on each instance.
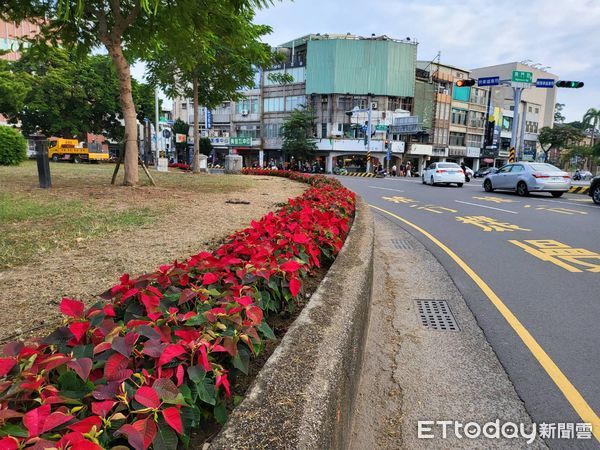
(517, 91)
(369, 163)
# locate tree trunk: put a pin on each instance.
(196, 160)
(129, 115)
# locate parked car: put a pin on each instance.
(443, 173)
(595, 189)
(582, 175)
(526, 177)
(482, 172)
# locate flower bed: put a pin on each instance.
(152, 361)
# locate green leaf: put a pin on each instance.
(72, 386)
(241, 360)
(166, 438)
(206, 392)
(266, 330)
(220, 413)
(11, 429)
(196, 374)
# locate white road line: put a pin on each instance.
(567, 203)
(487, 207)
(385, 189)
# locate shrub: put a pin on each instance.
(153, 360)
(13, 147)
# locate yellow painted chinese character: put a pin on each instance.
(567, 211)
(489, 224)
(495, 199)
(399, 199)
(436, 209)
(561, 254)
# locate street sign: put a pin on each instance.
(166, 134)
(488, 81)
(381, 128)
(208, 118)
(544, 83)
(240, 141)
(522, 76)
(179, 138)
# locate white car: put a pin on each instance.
(443, 173)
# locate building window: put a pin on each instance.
(273, 104)
(531, 127)
(507, 123)
(476, 119)
(459, 116)
(251, 132)
(248, 105)
(295, 102)
(323, 130)
(298, 74)
(537, 110)
(184, 105)
(457, 139)
(474, 140)
(273, 130)
(478, 96)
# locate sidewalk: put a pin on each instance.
(411, 373)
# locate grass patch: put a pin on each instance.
(32, 227)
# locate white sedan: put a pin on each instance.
(443, 173)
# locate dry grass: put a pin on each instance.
(76, 238)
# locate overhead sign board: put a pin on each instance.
(381, 128)
(522, 76)
(544, 83)
(488, 81)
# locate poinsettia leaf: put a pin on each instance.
(81, 366)
(120, 345)
(13, 429)
(72, 386)
(107, 391)
(102, 408)
(134, 436)
(294, 286)
(34, 420)
(147, 397)
(72, 308)
(165, 388)
(6, 365)
(186, 296)
(85, 425)
(9, 443)
(148, 331)
(173, 418)
(54, 420)
(266, 330)
(59, 336)
(147, 428)
(255, 314)
(166, 438)
(172, 351)
(114, 366)
(12, 348)
(290, 266)
(241, 360)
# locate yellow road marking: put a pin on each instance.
(570, 392)
(398, 199)
(489, 224)
(495, 199)
(557, 253)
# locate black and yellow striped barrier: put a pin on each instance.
(358, 174)
(579, 189)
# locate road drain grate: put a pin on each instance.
(436, 315)
(402, 244)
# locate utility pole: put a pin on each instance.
(157, 118)
(369, 163)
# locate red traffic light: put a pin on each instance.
(569, 84)
(465, 83)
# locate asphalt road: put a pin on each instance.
(539, 306)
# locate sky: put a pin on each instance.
(469, 33)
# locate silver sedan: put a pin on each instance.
(526, 177)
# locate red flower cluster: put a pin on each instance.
(182, 166)
(152, 360)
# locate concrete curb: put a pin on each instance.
(358, 174)
(304, 395)
(579, 189)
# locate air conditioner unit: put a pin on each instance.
(245, 112)
(374, 105)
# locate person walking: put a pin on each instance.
(409, 169)
(394, 168)
(464, 169)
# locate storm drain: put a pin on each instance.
(402, 244)
(436, 315)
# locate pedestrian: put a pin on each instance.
(402, 169)
(408, 169)
(394, 170)
(464, 169)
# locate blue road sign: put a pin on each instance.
(544, 83)
(488, 81)
(208, 118)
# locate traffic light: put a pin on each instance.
(569, 84)
(465, 83)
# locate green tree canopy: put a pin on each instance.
(13, 147)
(298, 134)
(561, 136)
(128, 29)
(60, 94)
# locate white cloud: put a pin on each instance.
(471, 33)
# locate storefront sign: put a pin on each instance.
(241, 141)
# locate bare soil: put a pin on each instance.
(194, 213)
